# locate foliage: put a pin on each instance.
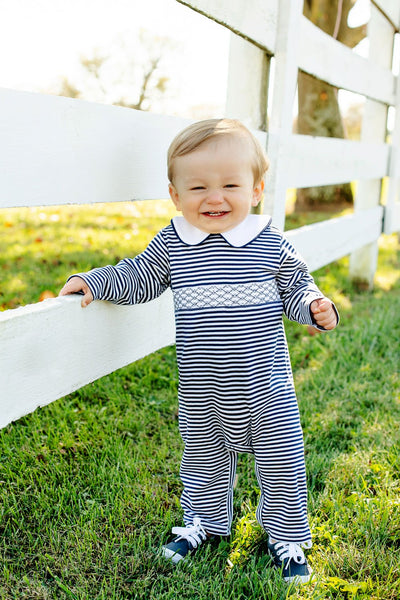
(130, 73)
(90, 485)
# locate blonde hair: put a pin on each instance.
(193, 136)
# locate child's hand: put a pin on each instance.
(323, 313)
(76, 285)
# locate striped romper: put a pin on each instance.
(236, 391)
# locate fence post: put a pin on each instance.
(248, 96)
(247, 91)
(392, 210)
(284, 92)
(363, 262)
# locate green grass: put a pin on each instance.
(90, 486)
(39, 247)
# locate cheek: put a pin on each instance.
(181, 202)
(177, 203)
(189, 204)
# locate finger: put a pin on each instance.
(325, 308)
(87, 299)
(330, 324)
(73, 286)
(315, 307)
(67, 289)
(327, 319)
(324, 304)
(324, 315)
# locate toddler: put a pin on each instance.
(233, 275)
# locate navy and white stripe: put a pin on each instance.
(236, 390)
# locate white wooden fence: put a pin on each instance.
(58, 151)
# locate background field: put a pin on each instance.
(90, 486)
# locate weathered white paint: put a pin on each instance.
(392, 212)
(47, 350)
(255, 20)
(50, 349)
(322, 243)
(363, 262)
(283, 97)
(331, 61)
(392, 215)
(59, 151)
(391, 8)
(322, 161)
(56, 151)
(248, 70)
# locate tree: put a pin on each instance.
(130, 73)
(319, 112)
(352, 121)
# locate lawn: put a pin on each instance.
(90, 486)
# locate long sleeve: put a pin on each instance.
(133, 280)
(296, 286)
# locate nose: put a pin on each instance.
(215, 197)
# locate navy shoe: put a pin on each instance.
(186, 542)
(289, 558)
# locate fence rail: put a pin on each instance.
(57, 151)
(327, 59)
(50, 349)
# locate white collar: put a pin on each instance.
(239, 236)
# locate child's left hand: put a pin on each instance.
(323, 313)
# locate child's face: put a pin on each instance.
(214, 185)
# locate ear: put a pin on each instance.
(258, 193)
(174, 196)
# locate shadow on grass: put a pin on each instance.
(90, 486)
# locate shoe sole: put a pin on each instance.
(171, 555)
(300, 579)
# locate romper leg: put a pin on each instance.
(208, 472)
(280, 469)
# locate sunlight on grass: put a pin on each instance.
(90, 483)
(246, 536)
(389, 272)
(47, 244)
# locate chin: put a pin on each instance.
(215, 222)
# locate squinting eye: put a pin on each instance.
(199, 187)
(231, 185)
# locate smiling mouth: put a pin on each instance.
(215, 213)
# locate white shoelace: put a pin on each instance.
(195, 534)
(292, 551)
